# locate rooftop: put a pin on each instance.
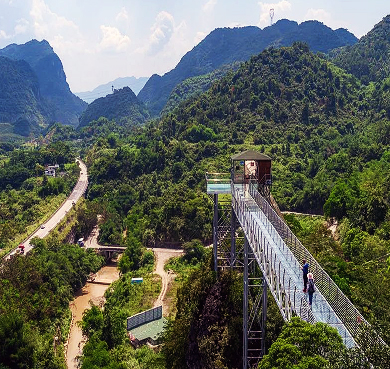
(250, 155)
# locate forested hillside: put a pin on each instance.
(122, 105)
(21, 104)
(369, 58)
(312, 118)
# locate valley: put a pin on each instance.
(304, 103)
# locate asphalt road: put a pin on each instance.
(51, 223)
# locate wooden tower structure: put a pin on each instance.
(252, 166)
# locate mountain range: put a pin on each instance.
(48, 99)
(228, 45)
(223, 50)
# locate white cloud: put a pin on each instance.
(3, 35)
(122, 16)
(22, 26)
(279, 8)
(49, 25)
(209, 6)
(161, 33)
(113, 40)
(318, 14)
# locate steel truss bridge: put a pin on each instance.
(249, 234)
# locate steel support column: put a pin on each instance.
(233, 222)
(264, 316)
(245, 307)
(215, 232)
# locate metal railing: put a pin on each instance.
(339, 303)
(217, 177)
(280, 278)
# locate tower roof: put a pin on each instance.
(250, 155)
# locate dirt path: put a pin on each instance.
(333, 228)
(162, 256)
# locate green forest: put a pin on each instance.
(327, 131)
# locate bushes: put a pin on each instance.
(34, 295)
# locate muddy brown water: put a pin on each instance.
(92, 292)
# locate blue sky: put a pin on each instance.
(100, 40)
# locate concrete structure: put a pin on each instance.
(50, 170)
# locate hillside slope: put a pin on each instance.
(21, 103)
(369, 59)
(228, 45)
(194, 86)
(122, 105)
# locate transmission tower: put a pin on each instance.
(271, 15)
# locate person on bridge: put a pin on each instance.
(305, 270)
(310, 289)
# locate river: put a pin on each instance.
(91, 292)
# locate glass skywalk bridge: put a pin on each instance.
(282, 269)
(259, 237)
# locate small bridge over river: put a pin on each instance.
(107, 251)
(248, 233)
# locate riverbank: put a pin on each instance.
(91, 293)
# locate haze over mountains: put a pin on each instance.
(136, 84)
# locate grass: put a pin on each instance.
(182, 268)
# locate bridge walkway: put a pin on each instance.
(281, 267)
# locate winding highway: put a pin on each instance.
(51, 223)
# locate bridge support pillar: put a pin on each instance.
(215, 232)
(233, 226)
(224, 236)
(254, 310)
(245, 307)
(264, 316)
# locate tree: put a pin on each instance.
(16, 350)
(92, 321)
(302, 345)
(194, 251)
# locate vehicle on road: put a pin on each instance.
(42, 226)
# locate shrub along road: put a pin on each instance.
(61, 212)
